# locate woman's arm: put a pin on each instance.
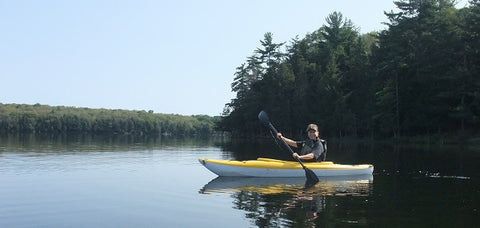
(306, 157)
(287, 140)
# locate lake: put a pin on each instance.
(122, 181)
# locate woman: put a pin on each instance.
(312, 149)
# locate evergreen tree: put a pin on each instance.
(419, 76)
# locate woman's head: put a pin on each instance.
(312, 131)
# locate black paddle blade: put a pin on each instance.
(308, 185)
(262, 116)
(312, 178)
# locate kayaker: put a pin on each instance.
(312, 149)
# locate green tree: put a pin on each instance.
(419, 55)
(466, 109)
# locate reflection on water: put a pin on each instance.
(275, 202)
(80, 142)
(352, 185)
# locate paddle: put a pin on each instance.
(312, 178)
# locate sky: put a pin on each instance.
(173, 57)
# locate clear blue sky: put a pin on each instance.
(167, 56)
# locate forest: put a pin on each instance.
(419, 76)
(44, 119)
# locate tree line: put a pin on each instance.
(22, 118)
(419, 76)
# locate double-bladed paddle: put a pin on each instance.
(312, 178)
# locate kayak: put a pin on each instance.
(267, 167)
(344, 185)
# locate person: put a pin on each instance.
(311, 149)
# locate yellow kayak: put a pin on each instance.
(267, 167)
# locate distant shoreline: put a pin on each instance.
(37, 118)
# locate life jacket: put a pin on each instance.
(324, 144)
(306, 148)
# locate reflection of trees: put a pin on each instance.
(281, 210)
(90, 142)
(264, 210)
(319, 206)
(285, 202)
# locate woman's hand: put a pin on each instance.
(279, 135)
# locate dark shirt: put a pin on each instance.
(312, 146)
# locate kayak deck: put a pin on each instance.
(267, 167)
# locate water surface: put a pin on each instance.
(90, 181)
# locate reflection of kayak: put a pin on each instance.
(357, 184)
(266, 167)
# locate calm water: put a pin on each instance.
(126, 182)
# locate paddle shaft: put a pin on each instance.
(275, 132)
